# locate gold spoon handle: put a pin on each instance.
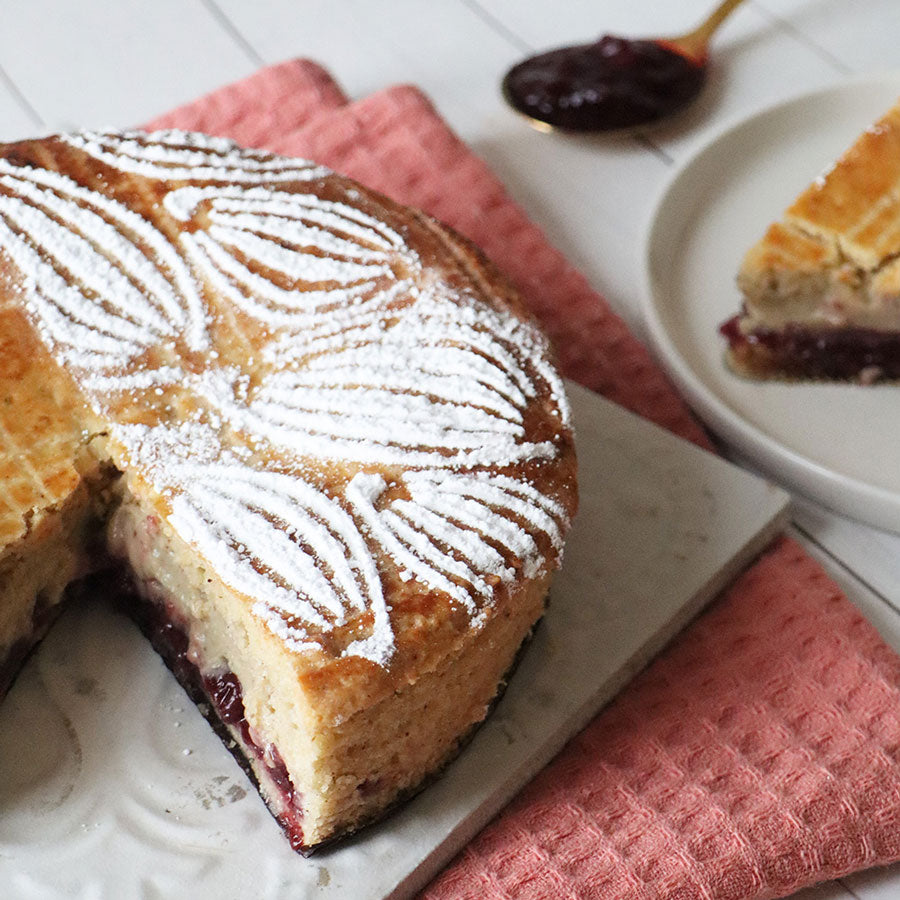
(695, 42)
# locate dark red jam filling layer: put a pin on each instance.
(838, 353)
(218, 695)
(613, 83)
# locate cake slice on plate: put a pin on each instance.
(821, 289)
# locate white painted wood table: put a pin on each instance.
(95, 63)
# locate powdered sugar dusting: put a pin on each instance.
(174, 155)
(370, 361)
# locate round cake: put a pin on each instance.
(317, 428)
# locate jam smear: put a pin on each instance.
(224, 690)
(613, 83)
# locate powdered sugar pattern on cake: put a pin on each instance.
(369, 360)
(173, 154)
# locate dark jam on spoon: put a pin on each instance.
(612, 83)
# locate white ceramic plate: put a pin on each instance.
(839, 444)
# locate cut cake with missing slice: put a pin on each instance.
(317, 430)
(821, 289)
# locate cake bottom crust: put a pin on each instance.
(865, 355)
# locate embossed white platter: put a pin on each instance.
(837, 443)
(112, 786)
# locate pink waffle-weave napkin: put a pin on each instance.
(759, 753)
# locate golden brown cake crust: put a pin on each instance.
(855, 203)
(849, 215)
(44, 432)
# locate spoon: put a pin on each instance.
(615, 82)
